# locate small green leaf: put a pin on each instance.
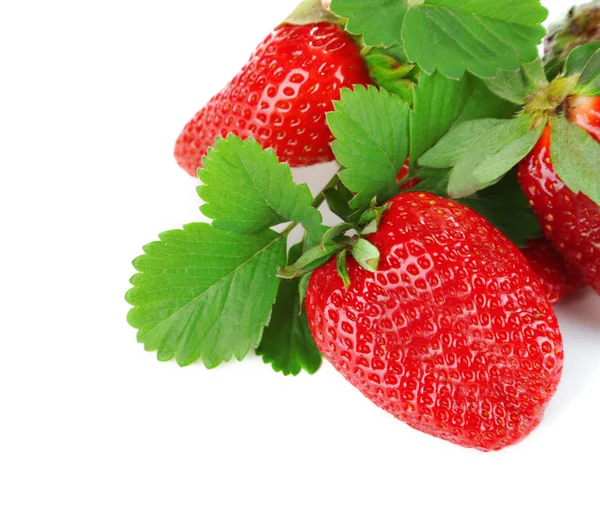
(378, 21)
(517, 86)
(247, 190)
(287, 343)
(204, 293)
(366, 254)
(575, 156)
(371, 130)
(480, 36)
(440, 103)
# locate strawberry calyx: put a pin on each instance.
(311, 11)
(336, 241)
(548, 101)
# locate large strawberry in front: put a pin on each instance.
(571, 221)
(452, 334)
(281, 96)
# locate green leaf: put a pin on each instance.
(517, 86)
(453, 146)
(575, 156)
(440, 103)
(580, 57)
(481, 152)
(378, 21)
(480, 36)
(287, 342)
(201, 292)
(371, 130)
(585, 61)
(247, 190)
(503, 204)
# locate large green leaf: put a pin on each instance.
(203, 293)
(371, 130)
(247, 190)
(480, 36)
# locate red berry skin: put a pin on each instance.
(559, 278)
(570, 221)
(452, 335)
(281, 96)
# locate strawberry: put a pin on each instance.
(451, 334)
(559, 278)
(281, 96)
(570, 221)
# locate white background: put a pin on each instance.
(92, 97)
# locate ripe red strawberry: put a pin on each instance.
(559, 278)
(452, 334)
(281, 96)
(570, 221)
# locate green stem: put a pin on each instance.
(318, 200)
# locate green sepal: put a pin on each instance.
(366, 254)
(333, 233)
(310, 260)
(391, 75)
(342, 268)
(311, 11)
(371, 219)
(575, 156)
(585, 62)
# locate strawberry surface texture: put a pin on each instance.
(281, 96)
(570, 221)
(452, 334)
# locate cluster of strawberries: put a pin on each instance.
(454, 332)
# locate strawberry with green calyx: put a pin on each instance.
(580, 25)
(451, 333)
(560, 179)
(282, 95)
